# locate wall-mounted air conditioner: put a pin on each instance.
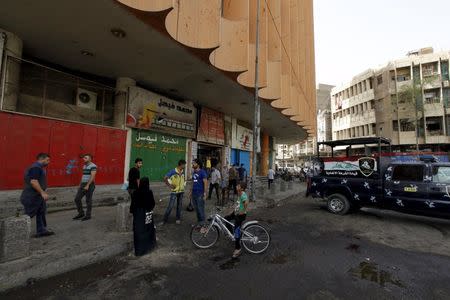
(86, 99)
(446, 83)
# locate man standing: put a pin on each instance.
(199, 186)
(242, 173)
(233, 175)
(271, 176)
(34, 197)
(134, 175)
(215, 183)
(175, 180)
(87, 187)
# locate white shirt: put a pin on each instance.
(215, 176)
(271, 174)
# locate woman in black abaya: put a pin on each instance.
(142, 204)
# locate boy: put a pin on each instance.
(238, 215)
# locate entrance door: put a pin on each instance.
(405, 187)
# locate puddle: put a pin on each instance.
(369, 271)
(279, 259)
(230, 264)
(353, 248)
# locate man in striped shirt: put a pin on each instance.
(87, 188)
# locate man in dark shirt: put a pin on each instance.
(134, 175)
(33, 196)
(242, 174)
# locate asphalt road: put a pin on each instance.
(314, 255)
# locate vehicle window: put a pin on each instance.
(408, 173)
(441, 174)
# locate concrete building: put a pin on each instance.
(324, 128)
(133, 81)
(297, 154)
(395, 99)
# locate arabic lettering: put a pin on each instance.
(169, 140)
(147, 138)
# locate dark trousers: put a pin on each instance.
(88, 194)
(174, 197)
(232, 185)
(211, 188)
(270, 182)
(238, 219)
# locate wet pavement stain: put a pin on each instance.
(279, 259)
(353, 247)
(230, 264)
(369, 271)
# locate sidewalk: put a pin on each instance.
(77, 244)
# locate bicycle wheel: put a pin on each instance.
(255, 239)
(203, 238)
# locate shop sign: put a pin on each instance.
(148, 110)
(211, 128)
(243, 140)
(159, 142)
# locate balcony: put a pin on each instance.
(404, 84)
(436, 137)
(432, 82)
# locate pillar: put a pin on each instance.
(120, 105)
(264, 155)
(13, 48)
(120, 100)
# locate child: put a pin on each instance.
(238, 215)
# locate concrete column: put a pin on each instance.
(13, 48)
(14, 238)
(264, 155)
(124, 220)
(120, 103)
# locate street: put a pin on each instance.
(371, 254)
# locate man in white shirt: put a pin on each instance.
(271, 176)
(215, 182)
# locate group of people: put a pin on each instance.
(142, 200)
(34, 195)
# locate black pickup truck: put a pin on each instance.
(419, 184)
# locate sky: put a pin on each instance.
(352, 36)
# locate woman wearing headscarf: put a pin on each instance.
(142, 204)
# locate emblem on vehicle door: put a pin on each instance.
(367, 165)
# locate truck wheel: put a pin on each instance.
(338, 204)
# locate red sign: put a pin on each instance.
(211, 129)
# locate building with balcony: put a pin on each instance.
(405, 100)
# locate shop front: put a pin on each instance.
(242, 145)
(211, 138)
(161, 132)
(160, 152)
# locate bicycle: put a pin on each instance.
(255, 238)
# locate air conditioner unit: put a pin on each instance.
(86, 99)
(446, 83)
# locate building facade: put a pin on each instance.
(151, 79)
(406, 101)
(324, 128)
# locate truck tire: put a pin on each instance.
(338, 204)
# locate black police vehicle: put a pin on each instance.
(412, 183)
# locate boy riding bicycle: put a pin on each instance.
(238, 215)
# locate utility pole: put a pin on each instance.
(256, 119)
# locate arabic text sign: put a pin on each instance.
(211, 128)
(148, 110)
(347, 168)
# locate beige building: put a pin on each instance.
(385, 102)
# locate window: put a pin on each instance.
(408, 173)
(395, 125)
(380, 79)
(406, 125)
(429, 69)
(370, 83)
(441, 174)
